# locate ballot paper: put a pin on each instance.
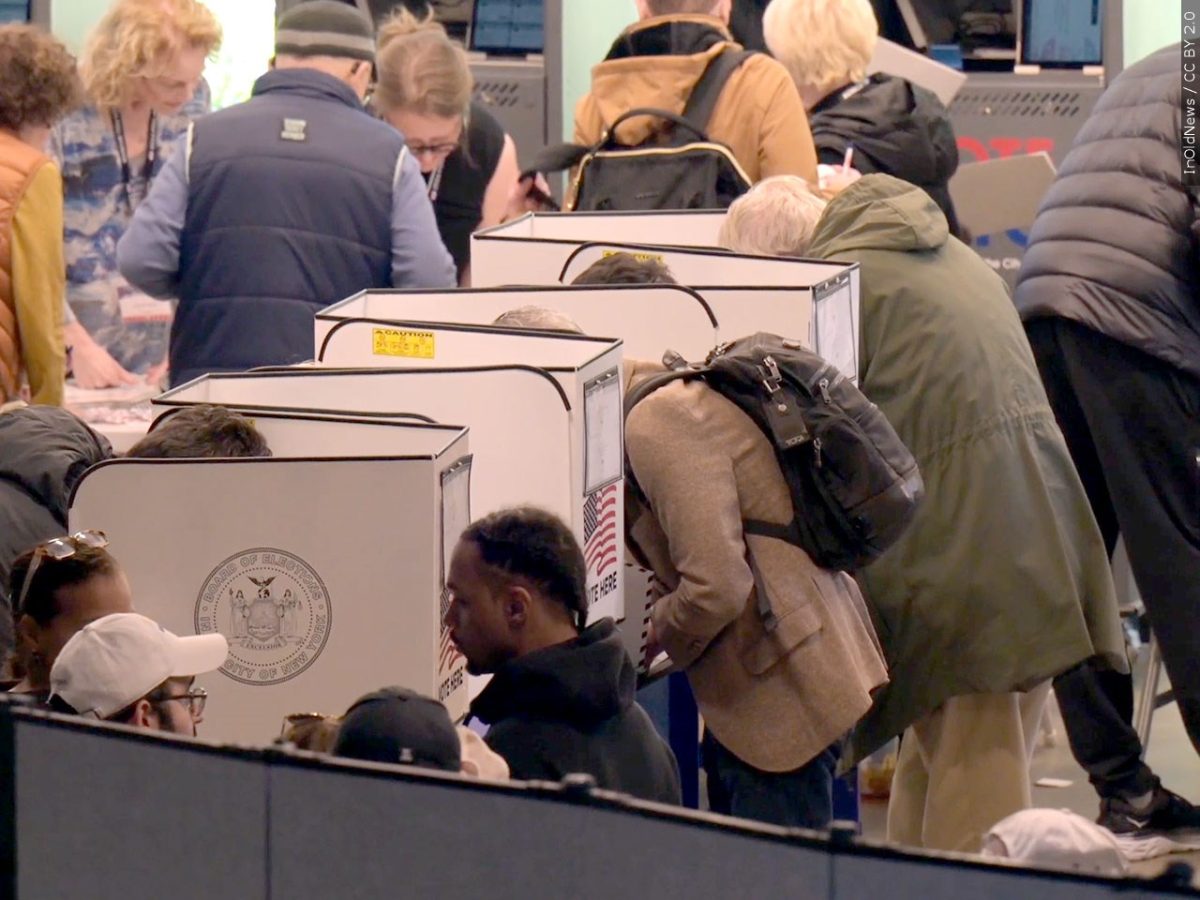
(834, 338)
(602, 415)
(456, 508)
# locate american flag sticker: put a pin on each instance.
(448, 655)
(600, 548)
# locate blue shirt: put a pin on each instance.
(96, 213)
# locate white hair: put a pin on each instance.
(538, 318)
(822, 43)
(776, 218)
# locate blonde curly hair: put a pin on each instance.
(136, 38)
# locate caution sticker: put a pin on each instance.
(409, 344)
(640, 257)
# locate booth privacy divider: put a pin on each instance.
(325, 574)
(811, 301)
(511, 252)
(648, 319)
(544, 437)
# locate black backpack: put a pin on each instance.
(685, 170)
(855, 487)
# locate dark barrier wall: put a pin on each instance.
(93, 811)
(104, 814)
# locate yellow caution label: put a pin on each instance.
(640, 257)
(409, 344)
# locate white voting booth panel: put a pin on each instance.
(809, 300)
(354, 343)
(291, 435)
(656, 317)
(918, 68)
(649, 319)
(547, 439)
(326, 575)
(515, 252)
(588, 370)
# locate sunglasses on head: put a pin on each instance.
(57, 549)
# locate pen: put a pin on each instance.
(849, 157)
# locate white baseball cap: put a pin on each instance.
(1058, 839)
(120, 658)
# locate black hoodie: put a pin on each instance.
(570, 708)
(43, 452)
(896, 128)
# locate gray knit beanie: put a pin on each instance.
(325, 28)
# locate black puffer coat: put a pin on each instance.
(897, 129)
(1113, 246)
(44, 450)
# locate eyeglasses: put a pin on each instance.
(194, 700)
(435, 150)
(57, 549)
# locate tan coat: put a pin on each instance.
(774, 700)
(759, 115)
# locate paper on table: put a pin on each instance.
(602, 421)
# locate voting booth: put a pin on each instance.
(545, 438)
(324, 565)
(649, 319)
(588, 369)
(808, 300)
(515, 251)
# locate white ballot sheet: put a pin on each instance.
(603, 411)
(836, 327)
(456, 516)
(456, 509)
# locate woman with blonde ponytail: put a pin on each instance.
(424, 90)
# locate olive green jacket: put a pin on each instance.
(1002, 581)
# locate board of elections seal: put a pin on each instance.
(273, 609)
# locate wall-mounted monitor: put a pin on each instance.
(508, 27)
(1062, 34)
(15, 11)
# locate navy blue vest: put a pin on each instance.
(289, 210)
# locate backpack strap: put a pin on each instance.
(556, 158)
(561, 157)
(633, 491)
(703, 101)
(697, 112)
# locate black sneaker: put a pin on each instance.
(1165, 812)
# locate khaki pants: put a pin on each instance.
(963, 768)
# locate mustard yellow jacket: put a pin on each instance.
(32, 274)
(759, 115)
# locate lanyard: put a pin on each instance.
(435, 181)
(118, 125)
